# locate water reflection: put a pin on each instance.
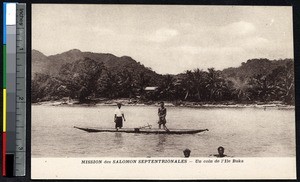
(161, 143)
(118, 139)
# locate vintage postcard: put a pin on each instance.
(162, 92)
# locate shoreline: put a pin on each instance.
(128, 102)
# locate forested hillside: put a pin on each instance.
(85, 76)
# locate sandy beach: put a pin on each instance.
(135, 102)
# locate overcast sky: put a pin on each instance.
(169, 39)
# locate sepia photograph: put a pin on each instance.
(172, 83)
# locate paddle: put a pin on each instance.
(165, 127)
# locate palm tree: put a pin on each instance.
(240, 89)
(187, 83)
(199, 82)
(262, 88)
(108, 85)
(142, 82)
(127, 84)
(284, 83)
(167, 87)
(194, 84)
(215, 84)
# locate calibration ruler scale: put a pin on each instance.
(14, 89)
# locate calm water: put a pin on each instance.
(243, 132)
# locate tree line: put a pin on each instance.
(85, 80)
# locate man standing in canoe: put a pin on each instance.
(162, 113)
(119, 116)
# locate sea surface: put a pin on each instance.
(243, 132)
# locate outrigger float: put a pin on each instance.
(143, 130)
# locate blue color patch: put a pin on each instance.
(4, 23)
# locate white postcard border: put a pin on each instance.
(173, 168)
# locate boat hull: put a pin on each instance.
(144, 131)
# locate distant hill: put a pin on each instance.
(85, 76)
(254, 67)
(40, 63)
(51, 65)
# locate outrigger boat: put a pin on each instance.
(144, 130)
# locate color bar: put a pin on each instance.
(4, 154)
(4, 110)
(4, 23)
(4, 65)
(4, 94)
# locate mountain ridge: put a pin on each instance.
(41, 62)
(246, 68)
(51, 65)
(253, 67)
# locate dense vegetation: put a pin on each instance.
(85, 79)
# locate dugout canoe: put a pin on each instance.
(144, 131)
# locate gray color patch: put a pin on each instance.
(11, 83)
(11, 29)
(11, 60)
(11, 103)
(11, 43)
(11, 118)
(11, 142)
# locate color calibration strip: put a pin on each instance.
(4, 93)
(9, 87)
(13, 145)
